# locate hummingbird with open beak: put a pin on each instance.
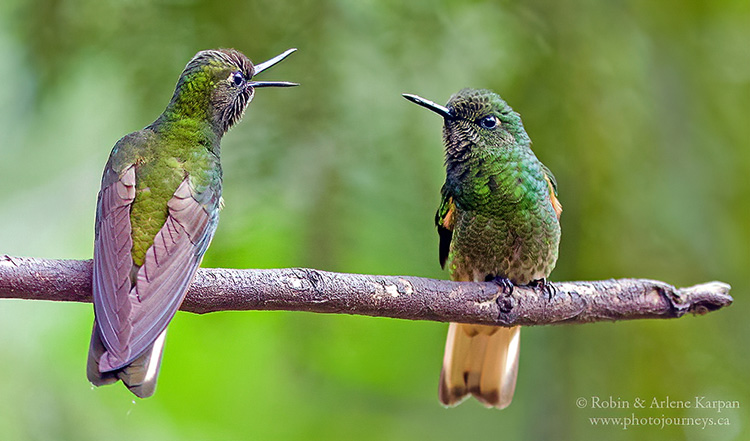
(157, 211)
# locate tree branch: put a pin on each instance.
(405, 297)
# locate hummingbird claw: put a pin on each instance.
(504, 283)
(504, 301)
(545, 287)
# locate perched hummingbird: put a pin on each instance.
(157, 212)
(498, 220)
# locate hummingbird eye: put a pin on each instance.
(238, 79)
(488, 122)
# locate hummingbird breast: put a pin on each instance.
(505, 224)
(522, 249)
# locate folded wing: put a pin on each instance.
(134, 304)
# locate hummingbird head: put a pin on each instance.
(218, 85)
(477, 121)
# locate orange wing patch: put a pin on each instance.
(448, 218)
(556, 205)
(445, 221)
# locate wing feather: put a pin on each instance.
(552, 184)
(444, 221)
(163, 279)
(112, 261)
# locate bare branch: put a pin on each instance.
(405, 297)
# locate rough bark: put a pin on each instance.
(404, 297)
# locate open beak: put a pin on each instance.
(437, 108)
(258, 68)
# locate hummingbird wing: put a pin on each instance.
(170, 265)
(134, 304)
(552, 183)
(444, 221)
(550, 178)
(111, 283)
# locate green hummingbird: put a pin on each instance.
(498, 220)
(157, 212)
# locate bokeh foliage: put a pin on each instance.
(640, 108)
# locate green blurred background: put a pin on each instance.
(640, 108)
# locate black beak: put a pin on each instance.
(437, 108)
(258, 68)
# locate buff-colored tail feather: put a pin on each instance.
(482, 361)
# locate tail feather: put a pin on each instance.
(96, 350)
(482, 361)
(139, 376)
(453, 384)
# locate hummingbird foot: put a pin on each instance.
(504, 301)
(545, 287)
(503, 282)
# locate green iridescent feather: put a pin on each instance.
(504, 222)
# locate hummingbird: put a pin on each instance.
(156, 213)
(498, 220)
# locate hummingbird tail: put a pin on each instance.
(482, 361)
(139, 376)
(96, 350)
